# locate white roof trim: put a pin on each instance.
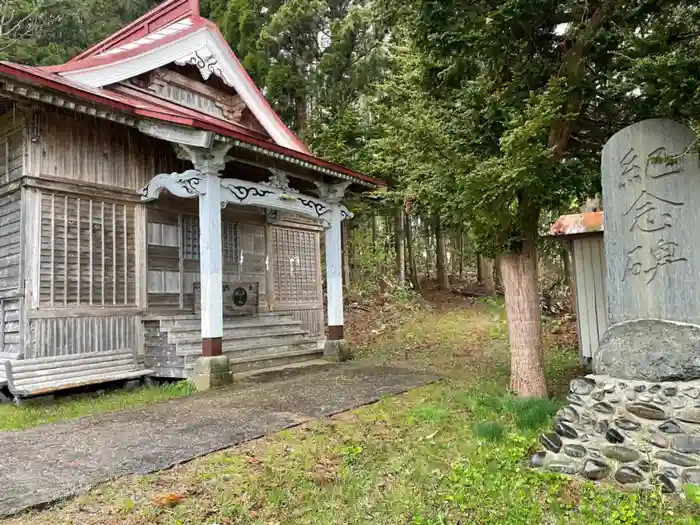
(211, 54)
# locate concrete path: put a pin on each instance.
(55, 461)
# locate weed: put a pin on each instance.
(530, 413)
(20, 417)
(489, 430)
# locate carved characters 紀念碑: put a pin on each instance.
(661, 254)
(651, 213)
(660, 164)
(630, 169)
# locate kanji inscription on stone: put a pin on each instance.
(651, 188)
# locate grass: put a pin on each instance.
(450, 453)
(26, 416)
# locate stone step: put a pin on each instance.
(264, 357)
(267, 319)
(274, 352)
(289, 358)
(247, 358)
(237, 333)
(248, 344)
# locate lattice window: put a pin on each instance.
(190, 239)
(88, 252)
(190, 236)
(229, 242)
(296, 270)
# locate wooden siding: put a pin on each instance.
(90, 149)
(10, 311)
(58, 336)
(12, 148)
(10, 347)
(87, 252)
(10, 242)
(589, 270)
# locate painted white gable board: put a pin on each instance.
(204, 42)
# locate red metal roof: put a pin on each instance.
(163, 14)
(577, 224)
(133, 40)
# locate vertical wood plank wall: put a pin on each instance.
(89, 149)
(12, 147)
(588, 255)
(86, 251)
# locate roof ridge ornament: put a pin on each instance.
(279, 180)
(204, 60)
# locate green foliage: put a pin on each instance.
(692, 492)
(67, 27)
(311, 57)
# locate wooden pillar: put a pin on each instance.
(210, 266)
(209, 162)
(333, 194)
(334, 276)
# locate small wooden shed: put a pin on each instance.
(582, 235)
(152, 202)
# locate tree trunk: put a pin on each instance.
(487, 276)
(411, 254)
(497, 277)
(479, 273)
(428, 249)
(399, 248)
(442, 277)
(374, 228)
(461, 254)
(519, 272)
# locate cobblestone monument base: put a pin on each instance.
(637, 433)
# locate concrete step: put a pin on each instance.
(275, 352)
(237, 333)
(247, 359)
(242, 345)
(286, 370)
(267, 319)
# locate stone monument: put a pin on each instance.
(637, 419)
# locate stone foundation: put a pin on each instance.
(338, 350)
(637, 433)
(211, 372)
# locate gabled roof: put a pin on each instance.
(149, 24)
(173, 32)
